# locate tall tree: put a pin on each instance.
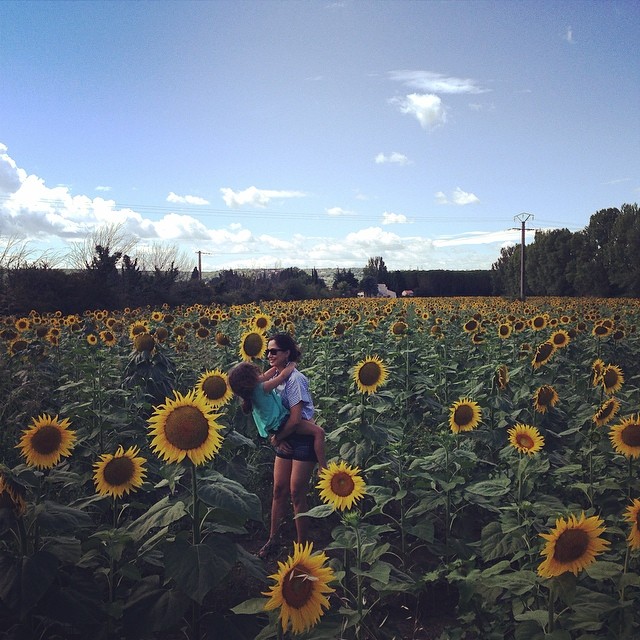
(376, 268)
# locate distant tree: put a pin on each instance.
(345, 276)
(195, 274)
(549, 263)
(505, 272)
(377, 269)
(369, 285)
(622, 252)
(163, 257)
(112, 237)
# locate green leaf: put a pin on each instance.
(229, 495)
(59, 518)
(162, 513)
(541, 616)
(197, 569)
(151, 608)
(379, 572)
(319, 511)
(490, 488)
(23, 581)
(600, 570)
(251, 607)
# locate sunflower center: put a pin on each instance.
(297, 587)
(610, 378)
(186, 428)
(631, 435)
(119, 471)
(571, 545)
(214, 387)
(46, 440)
(369, 374)
(463, 415)
(545, 396)
(144, 342)
(253, 344)
(342, 484)
(525, 440)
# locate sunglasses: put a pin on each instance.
(273, 352)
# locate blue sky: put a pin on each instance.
(315, 134)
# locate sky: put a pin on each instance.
(273, 134)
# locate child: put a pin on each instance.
(257, 391)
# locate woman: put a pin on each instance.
(295, 455)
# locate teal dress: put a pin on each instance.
(268, 412)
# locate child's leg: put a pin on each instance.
(306, 427)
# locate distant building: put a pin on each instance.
(383, 292)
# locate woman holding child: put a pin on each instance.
(298, 441)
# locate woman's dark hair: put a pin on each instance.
(243, 379)
(286, 342)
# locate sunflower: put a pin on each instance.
(222, 339)
(12, 493)
(560, 338)
(612, 379)
(632, 515)
(601, 331)
(504, 330)
(625, 436)
(261, 322)
(108, 338)
(471, 326)
(607, 411)
(92, 339)
(538, 322)
(502, 376)
(340, 485)
(543, 354)
(370, 374)
(545, 397)
(525, 438)
(214, 386)
(252, 345)
(477, 338)
(118, 473)
(399, 328)
(300, 587)
(138, 327)
(464, 415)
(572, 545)
(597, 370)
(185, 427)
(203, 333)
(144, 342)
(46, 441)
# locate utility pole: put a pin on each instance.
(200, 262)
(522, 219)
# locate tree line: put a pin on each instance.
(601, 260)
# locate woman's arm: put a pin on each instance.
(295, 415)
(272, 382)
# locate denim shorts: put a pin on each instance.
(302, 448)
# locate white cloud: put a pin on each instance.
(458, 197)
(427, 108)
(436, 82)
(338, 211)
(174, 226)
(255, 197)
(10, 176)
(393, 218)
(568, 36)
(172, 197)
(102, 188)
(393, 158)
(504, 238)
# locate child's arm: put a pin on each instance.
(283, 376)
(269, 373)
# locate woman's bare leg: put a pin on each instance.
(281, 492)
(299, 486)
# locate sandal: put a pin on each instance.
(268, 549)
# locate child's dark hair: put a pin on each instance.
(286, 342)
(243, 379)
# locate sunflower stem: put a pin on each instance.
(550, 606)
(195, 524)
(630, 477)
(359, 579)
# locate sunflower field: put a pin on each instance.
(482, 479)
